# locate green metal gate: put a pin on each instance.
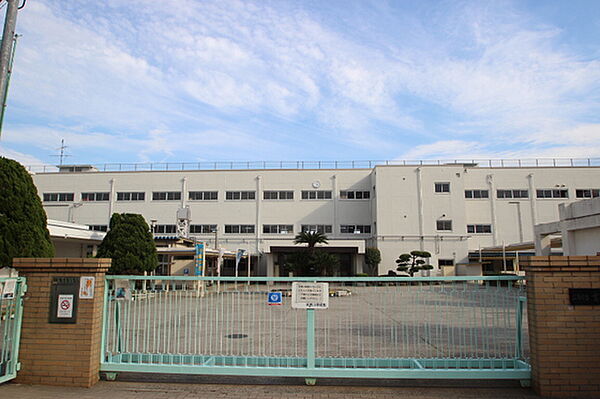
(448, 327)
(11, 312)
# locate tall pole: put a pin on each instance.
(6, 49)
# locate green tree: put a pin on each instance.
(312, 264)
(130, 245)
(311, 238)
(414, 262)
(23, 230)
(372, 259)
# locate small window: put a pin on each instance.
(239, 229)
(316, 195)
(445, 262)
(476, 194)
(131, 196)
(442, 187)
(552, 193)
(278, 195)
(479, 228)
(319, 228)
(507, 194)
(444, 225)
(278, 229)
(240, 195)
(355, 229)
(166, 196)
(58, 197)
(587, 193)
(165, 229)
(353, 194)
(203, 195)
(98, 227)
(203, 228)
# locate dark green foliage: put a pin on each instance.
(413, 262)
(372, 259)
(312, 263)
(311, 238)
(129, 244)
(23, 231)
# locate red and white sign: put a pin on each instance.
(64, 309)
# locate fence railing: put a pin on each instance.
(447, 327)
(358, 164)
(11, 311)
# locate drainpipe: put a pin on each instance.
(490, 182)
(335, 204)
(183, 192)
(420, 206)
(258, 213)
(532, 203)
(111, 197)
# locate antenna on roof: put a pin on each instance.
(62, 155)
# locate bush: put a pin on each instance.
(23, 230)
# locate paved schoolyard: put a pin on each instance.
(266, 389)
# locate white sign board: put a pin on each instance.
(310, 295)
(9, 289)
(86, 287)
(64, 310)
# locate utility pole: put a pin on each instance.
(6, 49)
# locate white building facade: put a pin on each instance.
(447, 210)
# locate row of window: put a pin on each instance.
(446, 225)
(541, 193)
(249, 228)
(282, 195)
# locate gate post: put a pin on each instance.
(564, 324)
(66, 352)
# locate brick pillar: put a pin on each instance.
(564, 338)
(60, 354)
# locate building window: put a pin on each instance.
(240, 195)
(98, 227)
(512, 193)
(444, 225)
(316, 195)
(355, 229)
(352, 194)
(239, 229)
(278, 228)
(587, 193)
(278, 195)
(85, 197)
(553, 193)
(442, 187)
(203, 195)
(479, 228)
(202, 228)
(477, 194)
(166, 195)
(445, 262)
(165, 229)
(58, 197)
(319, 228)
(132, 196)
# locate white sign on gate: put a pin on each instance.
(64, 310)
(310, 295)
(9, 289)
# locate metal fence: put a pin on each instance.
(11, 310)
(448, 327)
(357, 164)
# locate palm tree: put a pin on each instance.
(311, 238)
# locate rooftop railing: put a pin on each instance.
(251, 165)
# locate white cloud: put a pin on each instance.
(24, 159)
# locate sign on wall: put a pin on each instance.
(86, 287)
(64, 309)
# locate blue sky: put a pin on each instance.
(148, 81)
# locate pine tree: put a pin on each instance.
(130, 245)
(23, 231)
